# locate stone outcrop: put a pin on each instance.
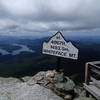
(84, 98)
(24, 92)
(56, 81)
(48, 85)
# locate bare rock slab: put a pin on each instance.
(38, 92)
(84, 98)
(25, 92)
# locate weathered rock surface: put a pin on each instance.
(84, 98)
(56, 81)
(66, 86)
(49, 85)
(21, 91)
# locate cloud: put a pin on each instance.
(19, 7)
(46, 15)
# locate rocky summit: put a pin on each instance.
(45, 85)
(24, 92)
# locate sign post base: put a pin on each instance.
(58, 64)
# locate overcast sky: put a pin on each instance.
(29, 16)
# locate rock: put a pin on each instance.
(65, 86)
(50, 74)
(42, 86)
(4, 97)
(36, 78)
(68, 97)
(39, 76)
(84, 98)
(80, 91)
(59, 77)
(31, 82)
(22, 91)
(50, 86)
(56, 81)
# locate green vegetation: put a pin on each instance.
(2, 79)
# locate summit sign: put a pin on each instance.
(58, 46)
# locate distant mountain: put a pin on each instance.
(23, 56)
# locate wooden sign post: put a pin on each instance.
(58, 64)
(58, 46)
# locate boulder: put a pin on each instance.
(56, 81)
(38, 92)
(65, 86)
(22, 91)
(50, 74)
(59, 77)
(36, 78)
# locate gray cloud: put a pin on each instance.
(48, 15)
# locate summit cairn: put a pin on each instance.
(56, 81)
